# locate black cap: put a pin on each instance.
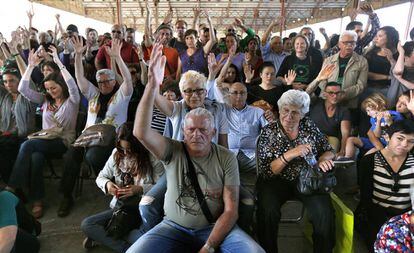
(72, 28)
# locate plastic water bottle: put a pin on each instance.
(311, 159)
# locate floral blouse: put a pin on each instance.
(396, 235)
(273, 142)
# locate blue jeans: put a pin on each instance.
(171, 237)
(94, 228)
(28, 168)
(151, 207)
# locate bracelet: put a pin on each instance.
(63, 67)
(14, 55)
(284, 159)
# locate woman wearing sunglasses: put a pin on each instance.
(386, 177)
(130, 172)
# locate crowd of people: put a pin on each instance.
(212, 133)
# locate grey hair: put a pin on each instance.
(193, 77)
(108, 72)
(200, 112)
(297, 98)
(349, 33)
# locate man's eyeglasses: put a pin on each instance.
(349, 43)
(115, 31)
(190, 92)
(235, 93)
(105, 81)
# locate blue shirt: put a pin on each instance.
(269, 55)
(244, 128)
(396, 116)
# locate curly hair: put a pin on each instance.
(376, 101)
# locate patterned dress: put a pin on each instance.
(273, 142)
(396, 235)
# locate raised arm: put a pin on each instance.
(60, 27)
(399, 65)
(196, 19)
(209, 45)
(148, 30)
(144, 71)
(83, 83)
(24, 87)
(269, 31)
(323, 75)
(325, 36)
(115, 52)
(150, 138)
(70, 82)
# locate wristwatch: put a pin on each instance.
(209, 248)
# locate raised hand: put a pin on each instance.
(33, 59)
(238, 22)
(410, 104)
(54, 53)
(400, 48)
(213, 66)
(156, 65)
(115, 49)
(366, 8)
(30, 14)
(353, 14)
(57, 16)
(138, 51)
(326, 72)
(78, 45)
(248, 72)
(232, 51)
(168, 17)
(196, 12)
(322, 30)
(290, 77)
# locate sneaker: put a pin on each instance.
(88, 243)
(343, 161)
(65, 206)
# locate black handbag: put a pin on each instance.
(124, 218)
(312, 180)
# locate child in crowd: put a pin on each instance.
(380, 118)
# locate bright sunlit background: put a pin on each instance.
(15, 15)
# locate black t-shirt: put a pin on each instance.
(330, 126)
(342, 66)
(379, 65)
(408, 74)
(180, 46)
(256, 93)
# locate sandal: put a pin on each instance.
(37, 210)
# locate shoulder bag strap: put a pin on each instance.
(197, 189)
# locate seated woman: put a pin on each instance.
(284, 147)
(60, 108)
(402, 105)
(135, 171)
(386, 177)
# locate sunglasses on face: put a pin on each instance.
(115, 31)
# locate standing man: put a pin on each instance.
(179, 41)
(189, 225)
(128, 54)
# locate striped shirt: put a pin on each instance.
(385, 180)
(158, 121)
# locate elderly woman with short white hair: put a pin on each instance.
(285, 147)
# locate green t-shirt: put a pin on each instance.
(302, 69)
(342, 66)
(217, 169)
(8, 203)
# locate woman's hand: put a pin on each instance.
(112, 188)
(269, 116)
(400, 48)
(326, 165)
(299, 151)
(248, 72)
(128, 191)
(33, 59)
(54, 54)
(156, 65)
(389, 55)
(290, 77)
(214, 67)
(410, 104)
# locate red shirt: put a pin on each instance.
(172, 59)
(128, 54)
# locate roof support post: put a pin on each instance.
(410, 14)
(283, 14)
(119, 12)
